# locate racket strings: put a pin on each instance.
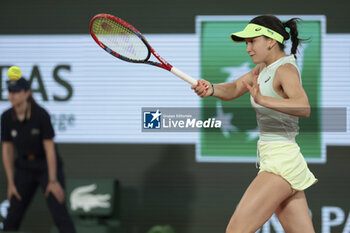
(120, 39)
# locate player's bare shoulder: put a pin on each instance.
(287, 70)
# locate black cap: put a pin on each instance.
(18, 85)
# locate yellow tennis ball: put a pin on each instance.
(14, 73)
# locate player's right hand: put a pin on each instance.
(12, 191)
(203, 88)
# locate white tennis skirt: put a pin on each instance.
(285, 159)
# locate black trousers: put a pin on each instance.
(27, 181)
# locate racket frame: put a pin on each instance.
(162, 64)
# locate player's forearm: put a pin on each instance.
(296, 107)
(51, 160)
(227, 91)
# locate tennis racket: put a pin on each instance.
(125, 42)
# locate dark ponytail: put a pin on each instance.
(292, 25)
(274, 23)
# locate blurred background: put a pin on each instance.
(167, 179)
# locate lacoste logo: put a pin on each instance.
(82, 197)
(257, 29)
(268, 79)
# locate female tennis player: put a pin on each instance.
(279, 99)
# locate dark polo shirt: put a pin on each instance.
(27, 136)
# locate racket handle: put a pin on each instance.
(183, 76)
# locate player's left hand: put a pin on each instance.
(254, 90)
(56, 189)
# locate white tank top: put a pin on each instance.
(274, 125)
